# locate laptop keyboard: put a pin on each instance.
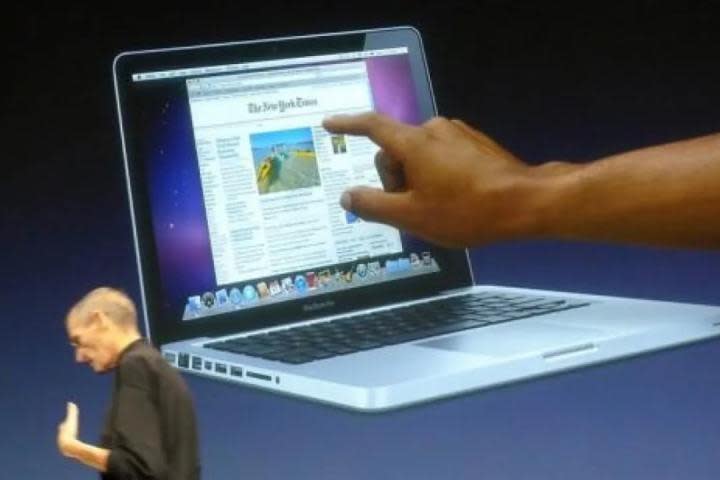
(347, 335)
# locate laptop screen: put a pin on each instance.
(235, 185)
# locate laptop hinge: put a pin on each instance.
(456, 291)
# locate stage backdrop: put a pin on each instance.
(547, 82)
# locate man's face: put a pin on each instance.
(90, 339)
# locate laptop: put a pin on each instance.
(251, 273)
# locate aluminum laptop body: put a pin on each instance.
(240, 240)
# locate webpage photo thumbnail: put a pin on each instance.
(284, 160)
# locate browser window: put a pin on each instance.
(271, 175)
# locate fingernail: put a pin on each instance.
(346, 201)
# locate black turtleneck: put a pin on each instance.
(150, 427)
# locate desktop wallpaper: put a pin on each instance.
(548, 81)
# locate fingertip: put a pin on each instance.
(376, 205)
(327, 120)
(346, 201)
(331, 121)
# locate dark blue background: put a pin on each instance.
(548, 82)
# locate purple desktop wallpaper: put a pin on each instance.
(180, 227)
(182, 240)
(548, 81)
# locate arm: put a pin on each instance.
(453, 185)
(666, 195)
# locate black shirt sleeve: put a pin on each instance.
(138, 452)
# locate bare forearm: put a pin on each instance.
(90, 455)
(665, 195)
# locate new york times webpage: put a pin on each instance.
(272, 176)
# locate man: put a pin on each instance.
(454, 186)
(150, 430)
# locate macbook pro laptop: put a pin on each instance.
(252, 273)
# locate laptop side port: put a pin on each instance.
(236, 371)
(170, 357)
(259, 376)
(184, 360)
(220, 368)
(197, 363)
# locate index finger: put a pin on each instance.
(381, 129)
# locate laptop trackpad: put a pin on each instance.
(513, 339)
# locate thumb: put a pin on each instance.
(72, 410)
(377, 205)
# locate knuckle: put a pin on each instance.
(373, 119)
(373, 116)
(404, 139)
(438, 122)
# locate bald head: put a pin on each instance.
(111, 303)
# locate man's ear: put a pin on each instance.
(98, 319)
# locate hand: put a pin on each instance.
(444, 181)
(68, 430)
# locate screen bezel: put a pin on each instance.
(455, 265)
